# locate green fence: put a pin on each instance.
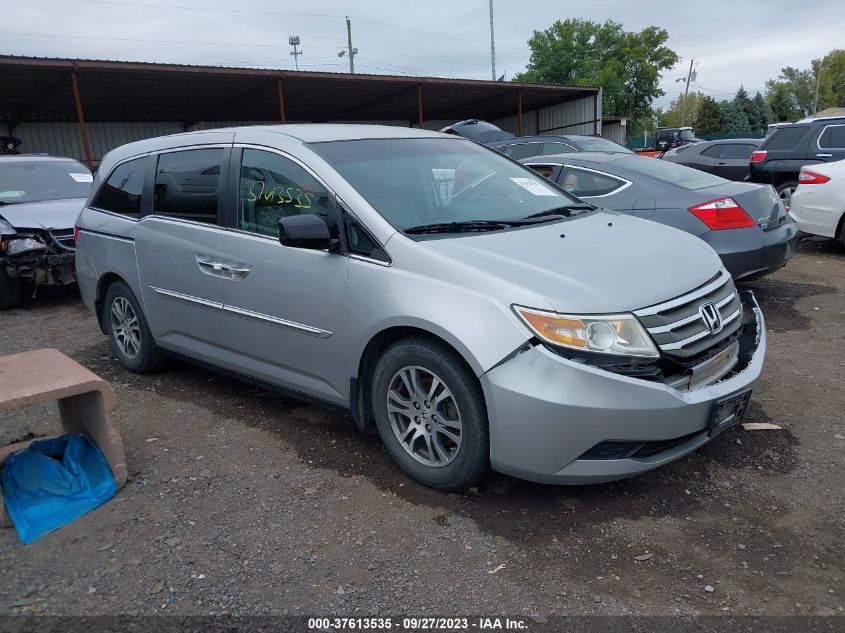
(636, 142)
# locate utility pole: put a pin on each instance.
(492, 44)
(816, 100)
(293, 40)
(351, 50)
(686, 94)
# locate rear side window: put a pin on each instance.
(833, 137)
(557, 148)
(187, 184)
(738, 150)
(786, 137)
(714, 151)
(523, 150)
(599, 144)
(122, 190)
(589, 184)
(672, 173)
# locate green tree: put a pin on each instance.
(734, 119)
(743, 102)
(799, 86)
(709, 117)
(830, 71)
(782, 104)
(627, 65)
(683, 110)
(762, 112)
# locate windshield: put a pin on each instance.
(672, 173)
(685, 135)
(602, 145)
(421, 181)
(36, 181)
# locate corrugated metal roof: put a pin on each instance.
(36, 88)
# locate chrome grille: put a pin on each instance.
(64, 238)
(677, 325)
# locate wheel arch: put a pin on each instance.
(103, 284)
(361, 383)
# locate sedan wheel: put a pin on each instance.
(424, 416)
(130, 336)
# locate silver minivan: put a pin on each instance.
(476, 314)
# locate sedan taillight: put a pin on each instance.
(723, 213)
(75, 233)
(807, 177)
(759, 156)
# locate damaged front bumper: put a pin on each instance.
(50, 261)
(553, 420)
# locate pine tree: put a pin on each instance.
(762, 111)
(734, 119)
(743, 102)
(709, 119)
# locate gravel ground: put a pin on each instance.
(244, 502)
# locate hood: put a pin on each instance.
(50, 214)
(607, 262)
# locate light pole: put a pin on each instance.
(690, 77)
(492, 44)
(293, 40)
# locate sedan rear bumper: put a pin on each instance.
(552, 418)
(752, 253)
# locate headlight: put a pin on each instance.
(24, 245)
(617, 334)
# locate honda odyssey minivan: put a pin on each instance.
(479, 316)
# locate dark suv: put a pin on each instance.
(782, 154)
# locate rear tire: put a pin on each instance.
(789, 185)
(431, 414)
(127, 329)
(10, 290)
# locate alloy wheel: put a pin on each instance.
(125, 327)
(424, 416)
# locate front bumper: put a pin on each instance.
(546, 411)
(753, 253)
(43, 268)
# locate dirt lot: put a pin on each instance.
(244, 502)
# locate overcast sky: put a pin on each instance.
(733, 42)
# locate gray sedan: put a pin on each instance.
(746, 224)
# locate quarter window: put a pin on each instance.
(740, 151)
(557, 148)
(274, 187)
(833, 137)
(714, 151)
(187, 185)
(587, 184)
(360, 242)
(121, 193)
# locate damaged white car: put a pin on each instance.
(40, 199)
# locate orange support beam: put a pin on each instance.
(83, 131)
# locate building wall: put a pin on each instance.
(62, 138)
(616, 132)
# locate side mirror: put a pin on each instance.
(305, 231)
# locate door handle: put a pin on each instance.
(211, 267)
(722, 163)
(237, 272)
(825, 155)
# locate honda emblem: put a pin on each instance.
(711, 317)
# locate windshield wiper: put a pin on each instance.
(562, 211)
(459, 227)
(3, 202)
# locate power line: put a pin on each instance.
(289, 14)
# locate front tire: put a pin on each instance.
(430, 412)
(10, 290)
(129, 334)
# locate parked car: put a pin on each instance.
(429, 287)
(670, 137)
(785, 151)
(818, 204)
(746, 224)
(525, 146)
(478, 131)
(727, 158)
(40, 197)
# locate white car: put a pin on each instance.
(818, 204)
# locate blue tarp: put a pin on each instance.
(52, 482)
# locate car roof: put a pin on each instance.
(719, 141)
(598, 158)
(550, 137)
